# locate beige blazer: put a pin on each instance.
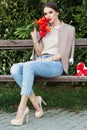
(66, 44)
(66, 36)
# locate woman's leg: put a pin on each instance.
(41, 68)
(17, 73)
(33, 99)
(22, 106)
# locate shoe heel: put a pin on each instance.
(44, 102)
(27, 118)
(40, 113)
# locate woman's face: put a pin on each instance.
(51, 14)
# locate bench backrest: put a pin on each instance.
(27, 44)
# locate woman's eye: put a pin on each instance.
(45, 13)
(50, 12)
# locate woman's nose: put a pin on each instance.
(47, 16)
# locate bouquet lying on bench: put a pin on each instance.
(81, 69)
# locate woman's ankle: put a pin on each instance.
(35, 103)
(20, 111)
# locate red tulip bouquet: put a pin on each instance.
(42, 26)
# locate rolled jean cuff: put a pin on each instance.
(26, 93)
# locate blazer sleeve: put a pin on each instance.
(71, 59)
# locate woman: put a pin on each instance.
(52, 60)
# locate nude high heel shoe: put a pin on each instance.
(40, 113)
(20, 121)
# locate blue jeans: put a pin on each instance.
(24, 73)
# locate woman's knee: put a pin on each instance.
(14, 69)
(28, 66)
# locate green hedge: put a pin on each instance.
(17, 13)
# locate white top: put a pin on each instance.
(50, 42)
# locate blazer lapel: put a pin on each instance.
(62, 26)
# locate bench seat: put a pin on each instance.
(65, 78)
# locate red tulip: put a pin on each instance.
(42, 33)
(43, 26)
(48, 29)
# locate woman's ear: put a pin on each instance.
(57, 13)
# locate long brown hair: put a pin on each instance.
(52, 5)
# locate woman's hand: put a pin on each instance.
(37, 47)
(52, 58)
(34, 35)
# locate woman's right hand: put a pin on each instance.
(37, 47)
(34, 35)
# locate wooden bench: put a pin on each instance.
(27, 44)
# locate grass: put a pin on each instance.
(68, 96)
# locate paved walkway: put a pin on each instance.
(53, 120)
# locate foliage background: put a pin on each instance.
(17, 13)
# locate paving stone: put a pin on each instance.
(56, 119)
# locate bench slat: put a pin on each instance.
(26, 44)
(81, 42)
(68, 78)
(16, 44)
